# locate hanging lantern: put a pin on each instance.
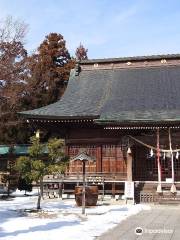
(37, 134)
(177, 155)
(168, 154)
(129, 150)
(151, 153)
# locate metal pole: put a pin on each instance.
(84, 189)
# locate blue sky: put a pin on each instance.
(108, 28)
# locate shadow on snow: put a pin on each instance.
(46, 227)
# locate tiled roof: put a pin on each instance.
(79, 101)
(123, 95)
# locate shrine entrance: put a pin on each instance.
(142, 168)
(145, 166)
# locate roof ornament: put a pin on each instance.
(77, 68)
(163, 61)
(129, 63)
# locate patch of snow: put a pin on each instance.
(60, 219)
(22, 193)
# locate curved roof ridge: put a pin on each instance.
(131, 58)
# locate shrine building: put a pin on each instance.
(125, 113)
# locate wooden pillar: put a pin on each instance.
(115, 158)
(84, 188)
(129, 167)
(113, 189)
(60, 190)
(67, 150)
(173, 187)
(99, 159)
(67, 154)
(159, 187)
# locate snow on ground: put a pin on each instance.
(59, 219)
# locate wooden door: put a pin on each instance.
(112, 159)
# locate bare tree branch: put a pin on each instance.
(12, 30)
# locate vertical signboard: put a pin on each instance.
(129, 190)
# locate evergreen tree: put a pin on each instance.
(34, 168)
(29, 82)
(24, 184)
(81, 53)
(49, 70)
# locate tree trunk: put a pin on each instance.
(39, 201)
(41, 187)
(40, 193)
(8, 188)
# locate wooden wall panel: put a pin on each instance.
(76, 166)
(99, 159)
(112, 159)
(120, 161)
(109, 159)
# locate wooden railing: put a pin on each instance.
(98, 176)
(106, 176)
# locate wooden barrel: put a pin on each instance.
(91, 195)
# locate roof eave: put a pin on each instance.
(46, 117)
(135, 121)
